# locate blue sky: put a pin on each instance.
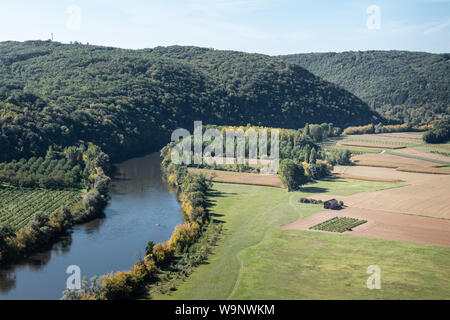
(264, 26)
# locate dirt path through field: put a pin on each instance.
(385, 225)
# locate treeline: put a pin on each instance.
(379, 128)
(39, 233)
(297, 145)
(192, 191)
(129, 101)
(440, 132)
(411, 87)
(74, 167)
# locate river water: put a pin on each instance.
(141, 209)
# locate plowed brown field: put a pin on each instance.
(426, 194)
(256, 179)
(385, 225)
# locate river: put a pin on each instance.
(141, 209)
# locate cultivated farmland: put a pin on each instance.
(17, 206)
(338, 224)
(256, 259)
(256, 179)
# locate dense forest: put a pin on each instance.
(413, 87)
(128, 101)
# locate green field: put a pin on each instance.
(17, 206)
(256, 259)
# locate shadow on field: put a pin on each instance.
(211, 203)
(313, 189)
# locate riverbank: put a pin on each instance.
(141, 208)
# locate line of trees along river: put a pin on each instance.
(141, 208)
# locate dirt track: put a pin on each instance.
(385, 225)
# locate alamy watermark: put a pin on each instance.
(236, 143)
(73, 282)
(374, 20)
(374, 281)
(73, 22)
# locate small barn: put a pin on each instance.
(331, 204)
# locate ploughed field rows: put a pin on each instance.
(400, 135)
(405, 139)
(401, 163)
(403, 144)
(438, 148)
(17, 206)
(369, 144)
(269, 180)
(353, 149)
(379, 140)
(380, 224)
(373, 143)
(424, 194)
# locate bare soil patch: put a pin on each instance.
(400, 163)
(349, 176)
(425, 194)
(399, 135)
(373, 145)
(434, 156)
(256, 179)
(385, 225)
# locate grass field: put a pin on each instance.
(256, 259)
(17, 206)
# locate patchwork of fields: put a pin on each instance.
(269, 251)
(256, 259)
(17, 206)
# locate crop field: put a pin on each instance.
(400, 162)
(17, 206)
(352, 149)
(438, 147)
(338, 224)
(379, 145)
(257, 259)
(422, 194)
(256, 179)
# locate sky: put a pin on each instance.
(264, 26)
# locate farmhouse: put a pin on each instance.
(330, 204)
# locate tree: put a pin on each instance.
(292, 174)
(316, 132)
(440, 132)
(149, 248)
(5, 232)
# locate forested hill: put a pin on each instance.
(129, 101)
(411, 86)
